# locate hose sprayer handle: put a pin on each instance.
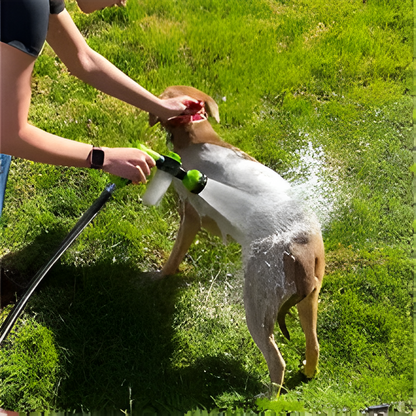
(193, 180)
(154, 155)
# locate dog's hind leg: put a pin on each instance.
(310, 269)
(260, 318)
(308, 309)
(189, 227)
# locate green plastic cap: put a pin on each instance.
(194, 181)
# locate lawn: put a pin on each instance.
(318, 90)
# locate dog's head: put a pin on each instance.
(208, 106)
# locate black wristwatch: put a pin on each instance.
(96, 158)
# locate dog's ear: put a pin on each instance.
(212, 108)
(153, 119)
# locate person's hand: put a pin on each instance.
(128, 163)
(178, 106)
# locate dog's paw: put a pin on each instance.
(309, 374)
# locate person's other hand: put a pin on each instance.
(177, 106)
(128, 163)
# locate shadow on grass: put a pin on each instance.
(18, 268)
(114, 331)
(296, 379)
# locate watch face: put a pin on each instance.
(97, 158)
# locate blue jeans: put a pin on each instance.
(4, 172)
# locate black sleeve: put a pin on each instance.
(56, 6)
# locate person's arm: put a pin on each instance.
(89, 6)
(92, 68)
(17, 136)
(21, 139)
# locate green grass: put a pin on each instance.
(332, 77)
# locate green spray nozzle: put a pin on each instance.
(193, 180)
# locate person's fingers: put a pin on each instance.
(129, 163)
(142, 176)
(144, 166)
(150, 161)
(193, 107)
(173, 107)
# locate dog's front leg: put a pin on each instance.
(189, 227)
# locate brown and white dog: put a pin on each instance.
(282, 247)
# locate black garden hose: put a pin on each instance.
(88, 216)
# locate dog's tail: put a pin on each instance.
(281, 316)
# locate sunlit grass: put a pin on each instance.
(332, 77)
